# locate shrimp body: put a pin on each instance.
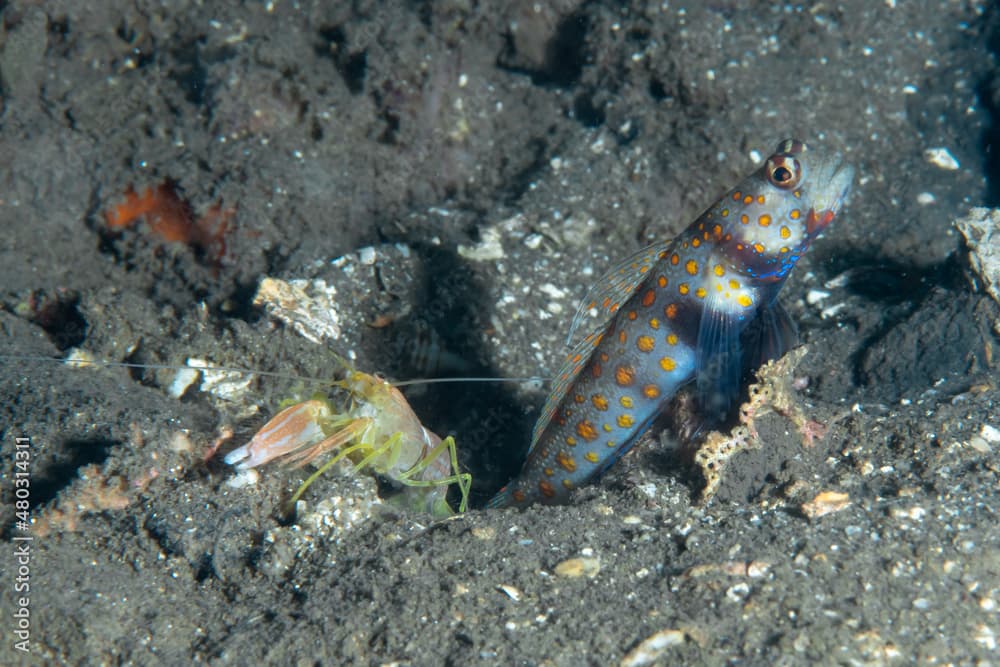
(378, 432)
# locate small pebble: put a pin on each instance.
(941, 157)
(826, 502)
(652, 648)
(579, 567)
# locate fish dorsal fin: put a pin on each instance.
(616, 286)
(575, 361)
(612, 290)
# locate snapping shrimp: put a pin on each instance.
(378, 432)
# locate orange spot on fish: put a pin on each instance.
(700, 292)
(645, 343)
(674, 259)
(654, 323)
(567, 484)
(764, 220)
(625, 421)
(719, 270)
(672, 339)
(586, 430)
(695, 242)
(748, 199)
(651, 391)
(571, 441)
(668, 364)
(596, 370)
(518, 496)
(600, 402)
(624, 375)
(683, 288)
(649, 298)
(744, 300)
(626, 401)
(670, 311)
(785, 232)
(592, 457)
(566, 462)
(758, 247)
(691, 267)
(546, 488)
(795, 214)
(662, 281)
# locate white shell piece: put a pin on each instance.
(941, 157)
(307, 306)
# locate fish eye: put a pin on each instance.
(784, 172)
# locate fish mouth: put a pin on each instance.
(833, 179)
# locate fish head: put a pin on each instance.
(775, 214)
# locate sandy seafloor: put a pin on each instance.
(498, 157)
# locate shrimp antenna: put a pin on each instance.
(83, 363)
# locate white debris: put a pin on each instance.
(981, 230)
(830, 311)
(653, 648)
(926, 198)
(243, 478)
(510, 591)
(306, 305)
(990, 434)
(79, 358)
(552, 291)
(941, 157)
(488, 249)
(814, 296)
(223, 383)
(183, 380)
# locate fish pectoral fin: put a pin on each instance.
(768, 337)
(718, 357)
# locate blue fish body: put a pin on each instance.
(675, 313)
